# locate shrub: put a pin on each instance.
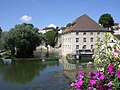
(108, 76)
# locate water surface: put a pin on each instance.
(32, 75)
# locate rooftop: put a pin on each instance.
(85, 23)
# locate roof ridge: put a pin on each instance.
(85, 22)
(79, 17)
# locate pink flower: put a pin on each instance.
(109, 89)
(92, 81)
(96, 75)
(111, 68)
(72, 84)
(79, 83)
(110, 84)
(79, 89)
(102, 77)
(116, 51)
(80, 74)
(118, 74)
(101, 72)
(89, 88)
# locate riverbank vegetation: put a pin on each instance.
(22, 40)
(107, 77)
(50, 39)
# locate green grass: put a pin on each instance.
(38, 59)
(37, 53)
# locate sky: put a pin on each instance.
(41, 13)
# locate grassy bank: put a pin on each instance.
(38, 55)
(38, 59)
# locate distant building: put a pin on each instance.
(61, 30)
(46, 29)
(116, 29)
(81, 35)
(43, 31)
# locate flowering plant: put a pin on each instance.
(108, 76)
(100, 80)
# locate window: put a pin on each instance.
(91, 39)
(98, 33)
(77, 52)
(84, 33)
(77, 46)
(91, 46)
(77, 33)
(112, 41)
(84, 39)
(84, 47)
(98, 40)
(77, 39)
(69, 39)
(91, 33)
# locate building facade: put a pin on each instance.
(81, 36)
(116, 29)
(48, 28)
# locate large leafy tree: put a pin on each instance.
(106, 20)
(23, 39)
(3, 41)
(50, 38)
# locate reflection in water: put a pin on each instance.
(23, 72)
(71, 67)
(36, 75)
(7, 61)
(32, 75)
(83, 63)
(66, 65)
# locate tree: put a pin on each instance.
(0, 31)
(106, 20)
(68, 25)
(50, 38)
(3, 41)
(23, 39)
(0, 37)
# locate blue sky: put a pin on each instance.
(41, 13)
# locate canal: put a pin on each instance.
(35, 75)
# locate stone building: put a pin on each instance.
(81, 36)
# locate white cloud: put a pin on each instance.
(25, 18)
(52, 25)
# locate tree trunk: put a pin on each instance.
(13, 51)
(47, 54)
